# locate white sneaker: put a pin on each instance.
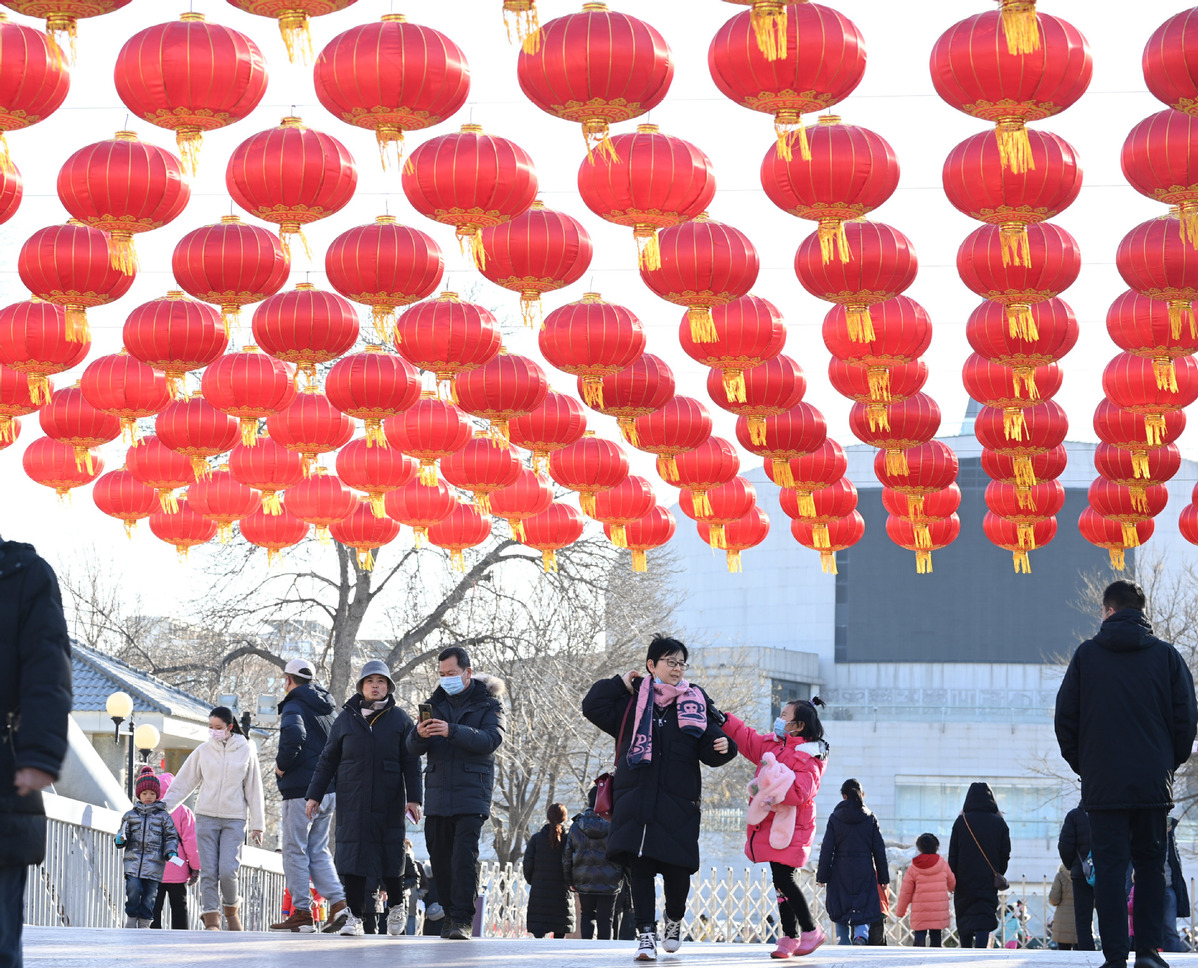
(352, 927)
(130, 922)
(672, 932)
(646, 947)
(397, 921)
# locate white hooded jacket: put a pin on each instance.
(229, 778)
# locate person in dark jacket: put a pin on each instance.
(148, 837)
(35, 703)
(1125, 721)
(979, 848)
(550, 904)
(852, 865)
(378, 780)
(464, 726)
(664, 727)
(588, 871)
(1074, 847)
(1177, 897)
(305, 718)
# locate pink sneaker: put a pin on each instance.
(786, 947)
(810, 940)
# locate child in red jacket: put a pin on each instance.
(797, 743)
(925, 891)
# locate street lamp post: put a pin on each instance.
(144, 737)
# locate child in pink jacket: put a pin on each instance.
(175, 879)
(797, 743)
(925, 891)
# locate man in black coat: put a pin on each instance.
(1074, 847)
(464, 726)
(305, 718)
(1125, 721)
(35, 702)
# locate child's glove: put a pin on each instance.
(193, 876)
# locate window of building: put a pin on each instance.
(1032, 808)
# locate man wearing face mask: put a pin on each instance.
(460, 727)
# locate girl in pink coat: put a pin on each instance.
(797, 743)
(925, 891)
(175, 879)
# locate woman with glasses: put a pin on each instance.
(664, 726)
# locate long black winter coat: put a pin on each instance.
(852, 863)
(35, 695)
(657, 806)
(459, 774)
(585, 862)
(550, 906)
(376, 778)
(305, 718)
(1126, 715)
(976, 898)
(1074, 842)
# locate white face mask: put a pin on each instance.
(218, 734)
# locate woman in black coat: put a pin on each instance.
(979, 848)
(550, 907)
(852, 865)
(378, 780)
(665, 727)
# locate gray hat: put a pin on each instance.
(377, 667)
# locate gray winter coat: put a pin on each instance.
(149, 837)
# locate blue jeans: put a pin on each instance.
(140, 893)
(845, 932)
(12, 913)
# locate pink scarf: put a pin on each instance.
(692, 714)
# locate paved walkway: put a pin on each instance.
(108, 948)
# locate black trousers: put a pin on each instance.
(922, 938)
(1117, 836)
(975, 939)
(676, 881)
(177, 894)
(453, 855)
(597, 910)
(1083, 913)
(355, 892)
(792, 906)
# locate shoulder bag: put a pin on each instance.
(1000, 882)
(605, 781)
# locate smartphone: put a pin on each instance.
(426, 711)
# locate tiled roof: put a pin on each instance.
(98, 676)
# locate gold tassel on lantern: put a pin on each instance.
(1139, 463)
(783, 476)
(475, 236)
(249, 431)
(833, 241)
(788, 128)
(272, 555)
(1014, 423)
(39, 392)
(1026, 535)
(1187, 214)
(322, 534)
(389, 139)
(8, 427)
(419, 536)
(122, 255)
(806, 503)
(201, 468)
(859, 322)
(619, 536)
(923, 562)
(827, 562)
(820, 537)
(129, 431)
(734, 385)
(1020, 26)
(167, 500)
(923, 537)
(286, 231)
(365, 558)
(879, 383)
(592, 391)
(1117, 558)
(189, 140)
(702, 328)
(1023, 564)
(530, 308)
(1139, 497)
(768, 19)
(378, 504)
(640, 561)
(83, 459)
(1179, 310)
(272, 504)
(1014, 147)
(428, 472)
(878, 416)
(549, 560)
(896, 463)
(1020, 322)
(716, 537)
(1131, 537)
(293, 25)
(648, 249)
(1016, 249)
(734, 567)
(457, 559)
(700, 502)
(1025, 474)
(517, 528)
(383, 318)
(230, 317)
(224, 531)
(756, 430)
(1154, 429)
(522, 14)
(586, 501)
(1165, 373)
(482, 501)
(374, 433)
(77, 329)
(627, 427)
(59, 25)
(596, 132)
(130, 527)
(668, 467)
(1023, 496)
(915, 507)
(1024, 379)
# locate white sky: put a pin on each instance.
(895, 99)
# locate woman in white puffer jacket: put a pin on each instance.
(226, 770)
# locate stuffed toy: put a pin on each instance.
(767, 790)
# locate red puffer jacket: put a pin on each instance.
(925, 890)
(800, 757)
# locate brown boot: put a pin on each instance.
(211, 920)
(336, 920)
(300, 922)
(232, 918)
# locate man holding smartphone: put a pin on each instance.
(460, 727)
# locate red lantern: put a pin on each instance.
(771, 388)
(501, 390)
(903, 424)
(68, 265)
(1105, 533)
(70, 419)
(269, 467)
(654, 182)
(13, 432)
(306, 327)
(1120, 467)
(16, 400)
(978, 183)
(365, 532)
(644, 534)
(596, 67)
(384, 265)
(682, 424)
(526, 497)
(937, 504)
(551, 530)
(1016, 539)
(310, 425)
(588, 466)
(464, 527)
(250, 386)
(183, 529)
(830, 503)
(1155, 261)
(1169, 62)
(12, 186)
(159, 467)
(591, 339)
(849, 173)
(428, 430)
(629, 500)
(881, 265)
(975, 69)
(1130, 382)
(995, 385)
(1045, 426)
(123, 186)
(792, 433)
(637, 390)
(53, 463)
(375, 470)
(480, 467)
(293, 19)
(231, 265)
(924, 538)
(175, 334)
(712, 463)
(1126, 429)
(125, 388)
(372, 386)
(740, 535)
(861, 384)
(420, 506)
(320, 499)
(1157, 162)
(448, 336)
(33, 341)
(120, 495)
(391, 77)
(292, 175)
(902, 334)
(1026, 508)
(1053, 263)
(558, 422)
(823, 467)
(274, 532)
(536, 252)
(842, 533)
(34, 78)
(931, 467)
(703, 264)
(990, 336)
(189, 76)
(1044, 465)
(470, 180)
(1141, 326)
(222, 498)
(62, 16)
(748, 331)
(722, 504)
(823, 63)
